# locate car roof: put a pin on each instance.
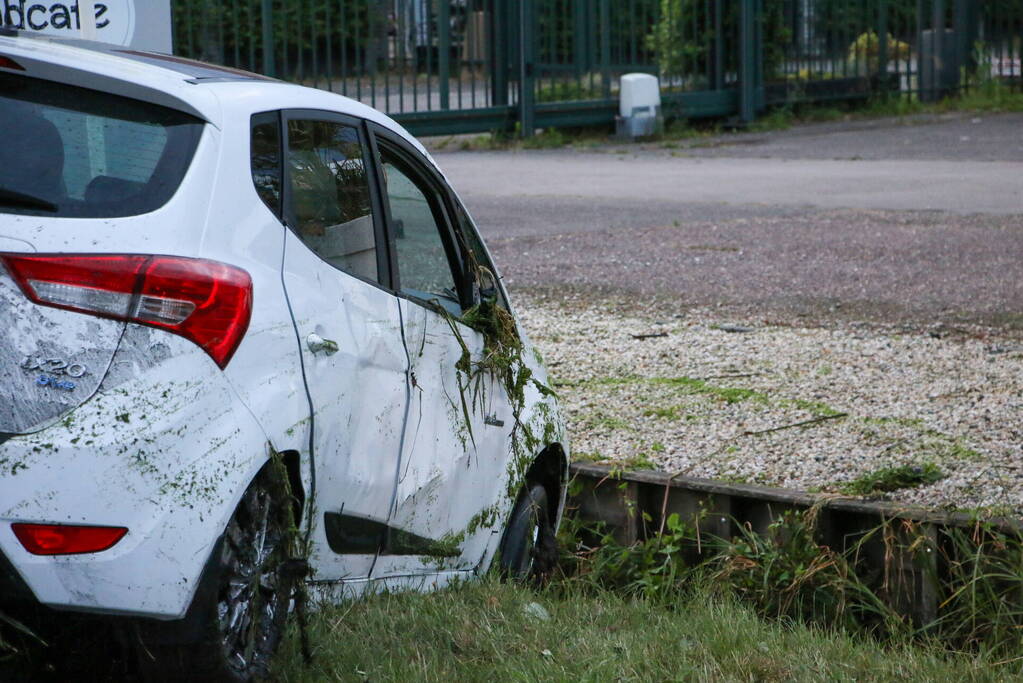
(196, 87)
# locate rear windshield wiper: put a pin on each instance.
(12, 198)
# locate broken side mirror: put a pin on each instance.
(486, 282)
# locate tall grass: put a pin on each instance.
(975, 576)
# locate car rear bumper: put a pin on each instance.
(165, 457)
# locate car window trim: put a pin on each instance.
(385, 273)
(422, 170)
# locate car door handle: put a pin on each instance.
(316, 344)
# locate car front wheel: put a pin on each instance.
(529, 549)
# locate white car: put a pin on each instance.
(248, 336)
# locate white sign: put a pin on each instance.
(109, 21)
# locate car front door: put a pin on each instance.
(457, 442)
(349, 331)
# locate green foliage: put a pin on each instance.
(232, 33)
(893, 479)
(683, 37)
(677, 54)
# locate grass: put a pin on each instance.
(893, 479)
(698, 387)
(492, 631)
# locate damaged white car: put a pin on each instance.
(249, 340)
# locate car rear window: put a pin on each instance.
(73, 152)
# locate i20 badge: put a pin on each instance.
(52, 369)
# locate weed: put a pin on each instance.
(893, 479)
(780, 118)
(603, 421)
(817, 408)
(550, 138)
(940, 446)
(699, 386)
(587, 456)
(637, 461)
(669, 413)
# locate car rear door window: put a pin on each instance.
(79, 153)
(330, 205)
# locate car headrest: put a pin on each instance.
(32, 155)
(104, 189)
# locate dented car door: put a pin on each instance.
(457, 436)
(350, 338)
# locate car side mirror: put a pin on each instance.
(486, 281)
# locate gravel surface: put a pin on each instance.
(701, 399)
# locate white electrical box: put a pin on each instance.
(639, 108)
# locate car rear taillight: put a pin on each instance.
(67, 539)
(207, 302)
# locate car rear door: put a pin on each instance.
(457, 443)
(349, 333)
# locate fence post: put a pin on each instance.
(882, 45)
(527, 47)
(747, 66)
(269, 63)
(605, 47)
(444, 53)
(580, 34)
(500, 59)
(967, 26)
(719, 47)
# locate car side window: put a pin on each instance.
(265, 154)
(330, 207)
(418, 228)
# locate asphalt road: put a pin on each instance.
(876, 220)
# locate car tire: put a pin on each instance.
(241, 607)
(529, 549)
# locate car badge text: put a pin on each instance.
(52, 369)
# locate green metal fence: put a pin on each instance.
(459, 66)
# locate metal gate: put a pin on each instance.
(463, 66)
